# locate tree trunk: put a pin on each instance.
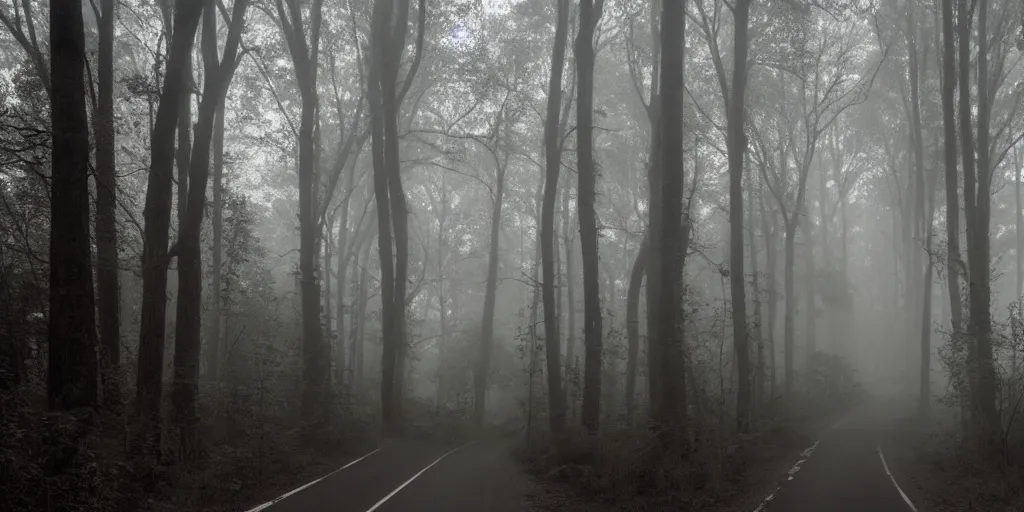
(979, 250)
(953, 259)
(553, 157)
(108, 288)
(187, 340)
(758, 383)
(636, 278)
(665, 275)
(810, 288)
(737, 142)
(72, 368)
(157, 214)
(214, 340)
(768, 227)
(789, 292)
(184, 149)
(570, 300)
(483, 367)
(590, 14)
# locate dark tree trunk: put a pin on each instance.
(636, 279)
(190, 264)
(157, 214)
(570, 300)
(108, 288)
(979, 250)
(553, 154)
(665, 274)
(184, 148)
(490, 293)
(737, 142)
(304, 50)
(768, 227)
(590, 14)
(213, 342)
(72, 369)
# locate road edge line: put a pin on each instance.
(414, 477)
(893, 479)
(257, 508)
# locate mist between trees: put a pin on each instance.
(248, 236)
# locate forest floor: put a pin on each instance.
(940, 475)
(731, 475)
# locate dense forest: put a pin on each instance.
(630, 255)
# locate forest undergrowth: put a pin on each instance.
(717, 470)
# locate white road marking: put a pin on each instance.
(886, 466)
(289, 493)
(414, 477)
(764, 503)
(796, 467)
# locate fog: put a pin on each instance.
(604, 253)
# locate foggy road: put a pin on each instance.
(413, 475)
(846, 470)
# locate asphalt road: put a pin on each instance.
(415, 476)
(846, 470)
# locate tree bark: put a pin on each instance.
(665, 275)
(72, 368)
(214, 340)
(108, 288)
(490, 294)
(979, 250)
(590, 14)
(157, 214)
(187, 340)
(636, 278)
(737, 149)
(553, 155)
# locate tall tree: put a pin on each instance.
(737, 149)
(72, 368)
(590, 14)
(491, 287)
(664, 278)
(217, 76)
(155, 254)
(388, 35)
(108, 296)
(978, 201)
(304, 47)
(553, 156)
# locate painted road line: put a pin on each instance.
(414, 477)
(793, 471)
(886, 466)
(289, 493)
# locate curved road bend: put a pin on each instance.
(846, 471)
(407, 475)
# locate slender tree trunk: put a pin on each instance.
(979, 253)
(590, 13)
(967, 152)
(342, 249)
(553, 155)
(329, 332)
(758, 384)
(190, 265)
(768, 227)
(214, 340)
(72, 369)
(810, 288)
(157, 214)
(952, 179)
(789, 292)
(108, 288)
(737, 142)
(570, 300)
(665, 274)
(184, 148)
(636, 278)
(487, 338)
